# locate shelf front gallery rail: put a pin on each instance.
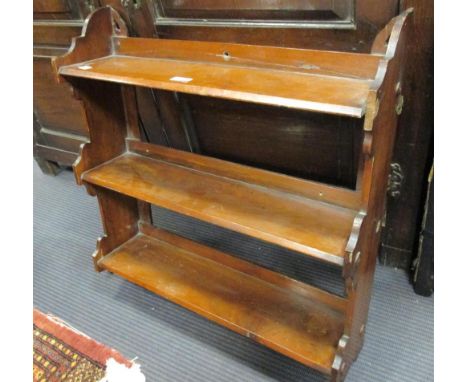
(334, 225)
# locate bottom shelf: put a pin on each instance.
(286, 315)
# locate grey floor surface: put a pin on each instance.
(173, 344)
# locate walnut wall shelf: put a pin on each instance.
(335, 225)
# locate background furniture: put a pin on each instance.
(193, 124)
(423, 277)
(58, 119)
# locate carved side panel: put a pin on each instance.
(377, 154)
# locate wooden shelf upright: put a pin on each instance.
(335, 225)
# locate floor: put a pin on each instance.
(173, 344)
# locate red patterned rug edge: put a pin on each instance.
(77, 340)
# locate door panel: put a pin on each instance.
(254, 10)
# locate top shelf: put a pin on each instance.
(321, 81)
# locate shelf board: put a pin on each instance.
(312, 227)
(288, 316)
(302, 90)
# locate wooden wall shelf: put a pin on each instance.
(334, 225)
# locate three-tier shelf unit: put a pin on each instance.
(335, 225)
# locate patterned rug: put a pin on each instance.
(63, 354)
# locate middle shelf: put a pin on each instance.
(312, 227)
